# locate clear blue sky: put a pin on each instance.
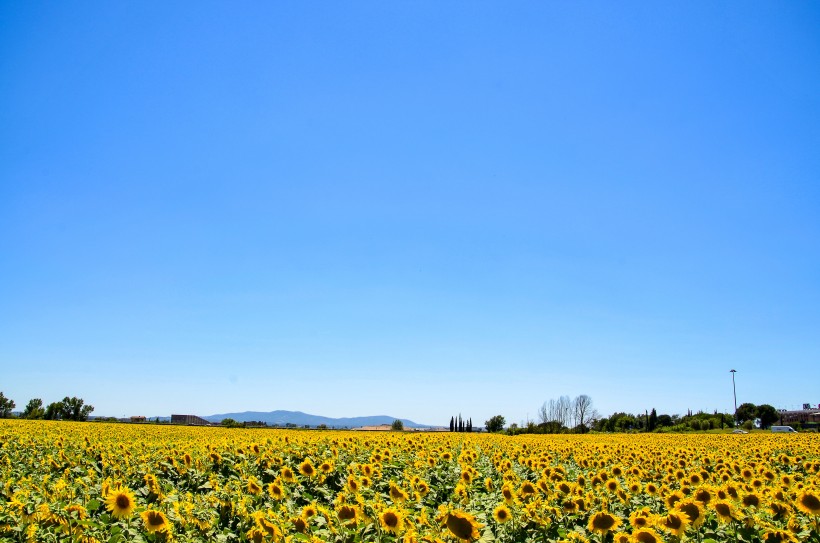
(409, 208)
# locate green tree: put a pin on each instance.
(767, 414)
(68, 409)
(74, 409)
(665, 420)
(6, 406)
(653, 420)
(34, 409)
(397, 426)
(53, 411)
(746, 411)
(495, 424)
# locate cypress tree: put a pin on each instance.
(653, 420)
(452, 423)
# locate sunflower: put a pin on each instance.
(651, 488)
(620, 537)
(502, 514)
(462, 525)
(347, 514)
(120, 503)
(672, 498)
(779, 510)
(612, 485)
(640, 518)
(527, 490)
(352, 484)
(691, 509)
(674, 523)
(703, 495)
(724, 510)
(508, 493)
(306, 468)
(309, 511)
(287, 475)
(391, 520)
(275, 490)
(155, 521)
(563, 487)
(299, 524)
(751, 500)
(423, 488)
(255, 535)
(646, 535)
(269, 528)
(397, 494)
(78, 509)
(253, 487)
(603, 522)
(808, 502)
(774, 535)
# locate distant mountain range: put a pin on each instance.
(298, 418)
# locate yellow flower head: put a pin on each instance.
(120, 503)
(155, 521)
(808, 502)
(603, 522)
(674, 523)
(391, 520)
(462, 525)
(306, 468)
(646, 535)
(502, 514)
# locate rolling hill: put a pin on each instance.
(298, 418)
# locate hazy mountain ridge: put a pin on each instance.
(299, 418)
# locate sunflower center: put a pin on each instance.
(645, 537)
(603, 521)
(461, 527)
(347, 513)
(811, 501)
(391, 519)
(123, 502)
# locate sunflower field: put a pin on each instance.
(89, 482)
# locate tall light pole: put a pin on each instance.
(734, 391)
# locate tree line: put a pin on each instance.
(577, 415)
(460, 425)
(72, 408)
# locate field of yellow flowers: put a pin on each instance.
(89, 482)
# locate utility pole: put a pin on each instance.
(734, 391)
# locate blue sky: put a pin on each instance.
(409, 208)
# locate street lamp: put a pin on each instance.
(734, 391)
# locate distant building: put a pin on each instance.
(191, 420)
(138, 418)
(806, 417)
(379, 428)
